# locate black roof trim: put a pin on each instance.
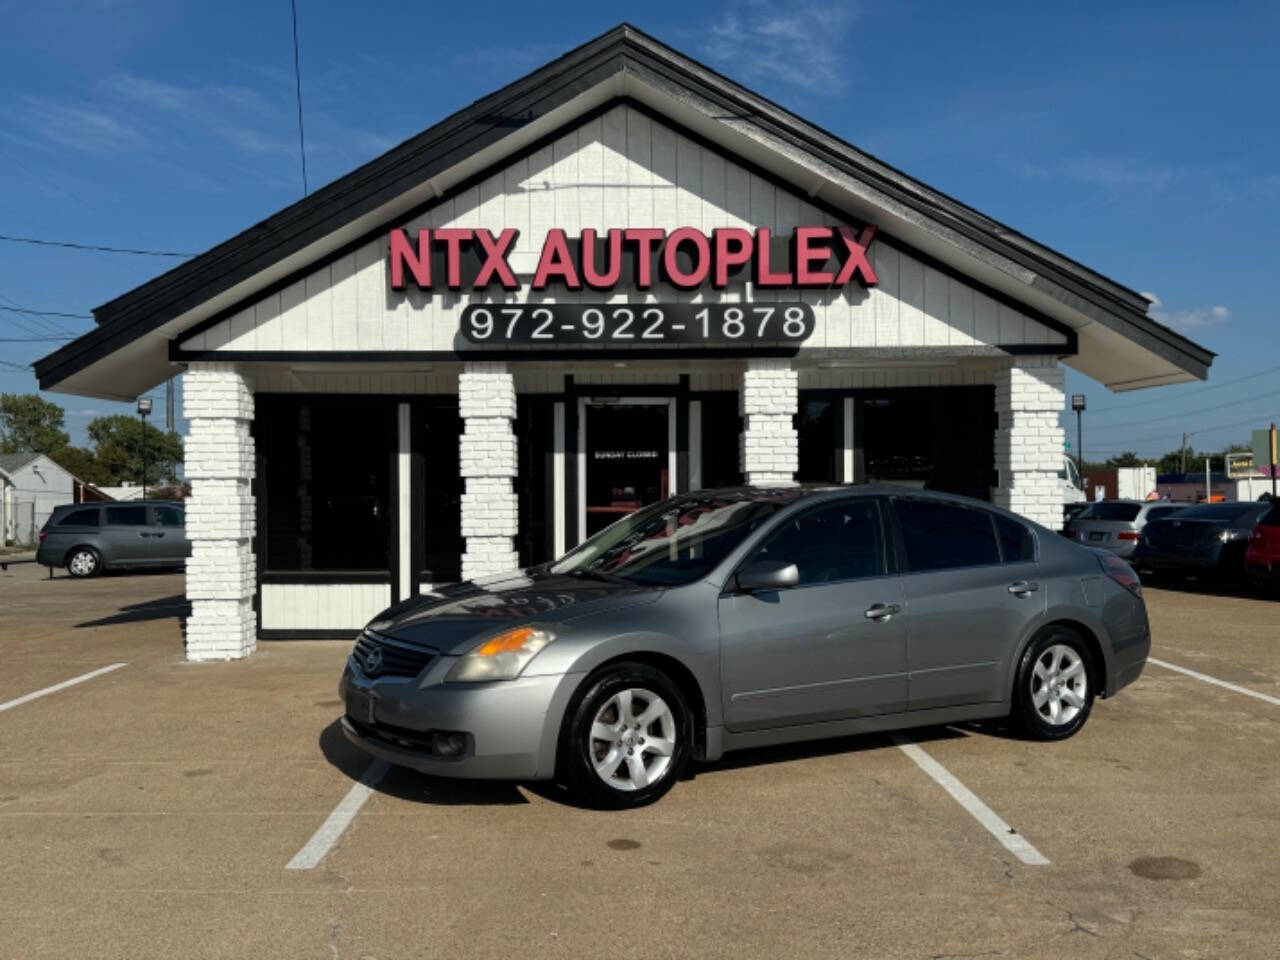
(624, 49)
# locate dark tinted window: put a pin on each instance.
(842, 541)
(1219, 511)
(126, 516)
(168, 516)
(325, 471)
(1159, 513)
(1111, 511)
(1017, 545)
(940, 536)
(80, 518)
(1272, 519)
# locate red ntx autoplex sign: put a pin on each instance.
(457, 258)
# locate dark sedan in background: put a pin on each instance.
(1116, 524)
(1207, 542)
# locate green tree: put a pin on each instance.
(81, 463)
(1126, 459)
(118, 450)
(28, 422)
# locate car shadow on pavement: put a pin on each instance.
(406, 784)
(163, 608)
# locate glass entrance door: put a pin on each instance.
(626, 456)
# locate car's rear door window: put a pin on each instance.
(944, 536)
(127, 516)
(80, 518)
(1159, 513)
(840, 541)
(1017, 543)
(168, 516)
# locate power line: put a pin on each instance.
(46, 313)
(1197, 393)
(1189, 413)
(93, 247)
(297, 78)
(41, 339)
(24, 367)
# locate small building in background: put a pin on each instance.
(31, 485)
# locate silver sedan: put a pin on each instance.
(726, 619)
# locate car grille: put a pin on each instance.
(394, 657)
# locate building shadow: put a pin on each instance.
(165, 608)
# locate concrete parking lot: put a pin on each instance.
(151, 810)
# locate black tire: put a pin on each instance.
(579, 751)
(83, 562)
(1034, 719)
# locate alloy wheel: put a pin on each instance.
(1059, 685)
(632, 739)
(83, 563)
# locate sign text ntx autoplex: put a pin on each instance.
(456, 258)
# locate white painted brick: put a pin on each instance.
(488, 461)
(1028, 441)
(767, 402)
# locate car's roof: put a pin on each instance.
(791, 493)
(118, 503)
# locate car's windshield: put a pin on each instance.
(671, 543)
(1217, 511)
(1110, 511)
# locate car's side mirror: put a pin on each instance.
(768, 575)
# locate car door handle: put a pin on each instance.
(157, 534)
(881, 611)
(1020, 588)
(144, 534)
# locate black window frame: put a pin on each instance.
(383, 406)
(888, 547)
(1027, 528)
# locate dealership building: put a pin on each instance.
(620, 277)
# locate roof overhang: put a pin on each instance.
(1119, 344)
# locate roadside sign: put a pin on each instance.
(1243, 466)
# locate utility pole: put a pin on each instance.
(1183, 469)
(168, 405)
(1273, 461)
(1078, 405)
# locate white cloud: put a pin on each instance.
(1155, 301)
(1187, 319)
(805, 46)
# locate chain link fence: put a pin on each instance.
(22, 523)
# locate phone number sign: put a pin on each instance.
(620, 325)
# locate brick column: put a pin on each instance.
(487, 404)
(768, 405)
(1029, 447)
(219, 465)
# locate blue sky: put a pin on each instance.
(1137, 138)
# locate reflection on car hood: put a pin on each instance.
(450, 618)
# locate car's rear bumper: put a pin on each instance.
(510, 726)
(1263, 571)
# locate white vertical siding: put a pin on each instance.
(618, 169)
(311, 606)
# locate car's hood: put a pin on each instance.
(452, 618)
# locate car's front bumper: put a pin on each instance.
(510, 726)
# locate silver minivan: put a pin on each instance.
(88, 538)
(1116, 524)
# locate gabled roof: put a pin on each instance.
(13, 462)
(619, 62)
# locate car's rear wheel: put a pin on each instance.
(626, 738)
(84, 562)
(1054, 690)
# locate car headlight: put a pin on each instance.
(1226, 536)
(502, 657)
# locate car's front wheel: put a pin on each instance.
(84, 562)
(1054, 690)
(626, 738)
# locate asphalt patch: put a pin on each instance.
(1165, 868)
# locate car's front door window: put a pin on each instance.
(842, 541)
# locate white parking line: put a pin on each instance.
(10, 704)
(322, 840)
(1014, 842)
(1216, 682)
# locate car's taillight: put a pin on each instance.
(1127, 535)
(43, 534)
(1121, 573)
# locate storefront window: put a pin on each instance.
(818, 439)
(437, 500)
(721, 438)
(325, 482)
